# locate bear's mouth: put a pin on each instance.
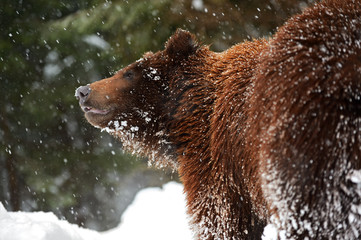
(88, 109)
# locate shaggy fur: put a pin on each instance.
(305, 121)
(265, 132)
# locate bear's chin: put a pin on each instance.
(99, 120)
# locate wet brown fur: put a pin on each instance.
(304, 120)
(227, 120)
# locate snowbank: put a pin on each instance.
(155, 214)
(40, 226)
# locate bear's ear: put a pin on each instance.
(181, 45)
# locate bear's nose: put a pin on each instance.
(82, 93)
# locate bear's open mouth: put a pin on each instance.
(87, 109)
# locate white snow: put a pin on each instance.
(96, 41)
(198, 5)
(40, 226)
(270, 232)
(152, 73)
(155, 214)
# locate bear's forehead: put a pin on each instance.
(152, 73)
(149, 57)
(152, 63)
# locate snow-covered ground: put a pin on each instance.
(155, 214)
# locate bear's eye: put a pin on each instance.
(129, 75)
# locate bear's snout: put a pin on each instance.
(82, 93)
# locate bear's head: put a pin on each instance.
(131, 104)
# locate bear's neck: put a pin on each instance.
(190, 107)
(209, 147)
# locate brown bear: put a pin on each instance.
(162, 106)
(265, 132)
